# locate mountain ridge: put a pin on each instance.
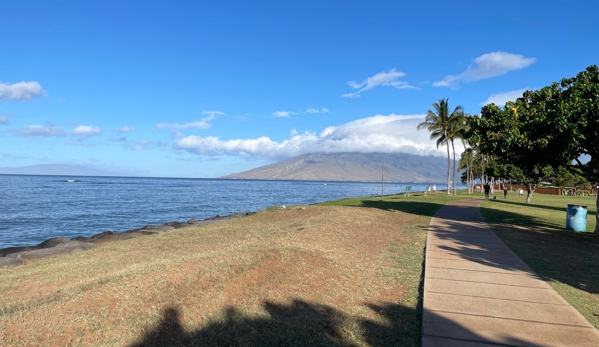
(400, 167)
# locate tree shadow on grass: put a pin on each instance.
(420, 208)
(306, 324)
(554, 208)
(553, 253)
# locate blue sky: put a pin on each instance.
(204, 89)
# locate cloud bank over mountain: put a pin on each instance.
(384, 134)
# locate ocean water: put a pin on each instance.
(35, 208)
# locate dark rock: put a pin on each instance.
(9, 250)
(66, 247)
(80, 238)
(193, 221)
(102, 234)
(49, 243)
(7, 261)
(157, 229)
(176, 225)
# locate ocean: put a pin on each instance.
(36, 208)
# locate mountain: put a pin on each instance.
(57, 169)
(353, 167)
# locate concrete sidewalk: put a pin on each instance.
(477, 292)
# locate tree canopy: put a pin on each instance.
(555, 126)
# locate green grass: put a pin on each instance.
(567, 260)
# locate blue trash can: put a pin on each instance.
(576, 217)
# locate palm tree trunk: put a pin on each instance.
(472, 171)
(597, 214)
(448, 168)
(454, 168)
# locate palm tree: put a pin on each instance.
(465, 162)
(458, 125)
(438, 123)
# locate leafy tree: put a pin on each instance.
(438, 123)
(495, 132)
(555, 126)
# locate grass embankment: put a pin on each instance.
(346, 273)
(567, 260)
(322, 276)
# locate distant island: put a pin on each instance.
(352, 167)
(58, 170)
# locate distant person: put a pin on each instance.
(521, 192)
(492, 189)
(487, 190)
(428, 189)
(504, 192)
(434, 189)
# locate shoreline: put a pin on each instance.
(58, 245)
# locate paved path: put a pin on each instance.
(477, 292)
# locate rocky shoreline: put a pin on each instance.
(63, 245)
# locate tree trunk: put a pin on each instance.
(530, 188)
(454, 168)
(468, 175)
(472, 171)
(597, 214)
(448, 166)
(482, 176)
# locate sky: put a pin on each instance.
(209, 88)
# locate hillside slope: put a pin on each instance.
(352, 167)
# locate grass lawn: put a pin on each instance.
(567, 260)
(342, 273)
(346, 274)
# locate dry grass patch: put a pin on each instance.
(330, 276)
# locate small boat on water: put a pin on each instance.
(70, 180)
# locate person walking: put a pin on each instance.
(487, 190)
(504, 192)
(434, 189)
(521, 192)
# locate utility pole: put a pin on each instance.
(382, 180)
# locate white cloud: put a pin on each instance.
(4, 118)
(315, 110)
(21, 90)
(201, 124)
(11, 157)
(281, 114)
(385, 79)
(86, 130)
(486, 66)
(39, 131)
(501, 98)
(389, 134)
(192, 125)
(213, 113)
(125, 129)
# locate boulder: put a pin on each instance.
(62, 248)
(7, 261)
(150, 230)
(193, 221)
(9, 250)
(101, 235)
(176, 225)
(53, 242)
